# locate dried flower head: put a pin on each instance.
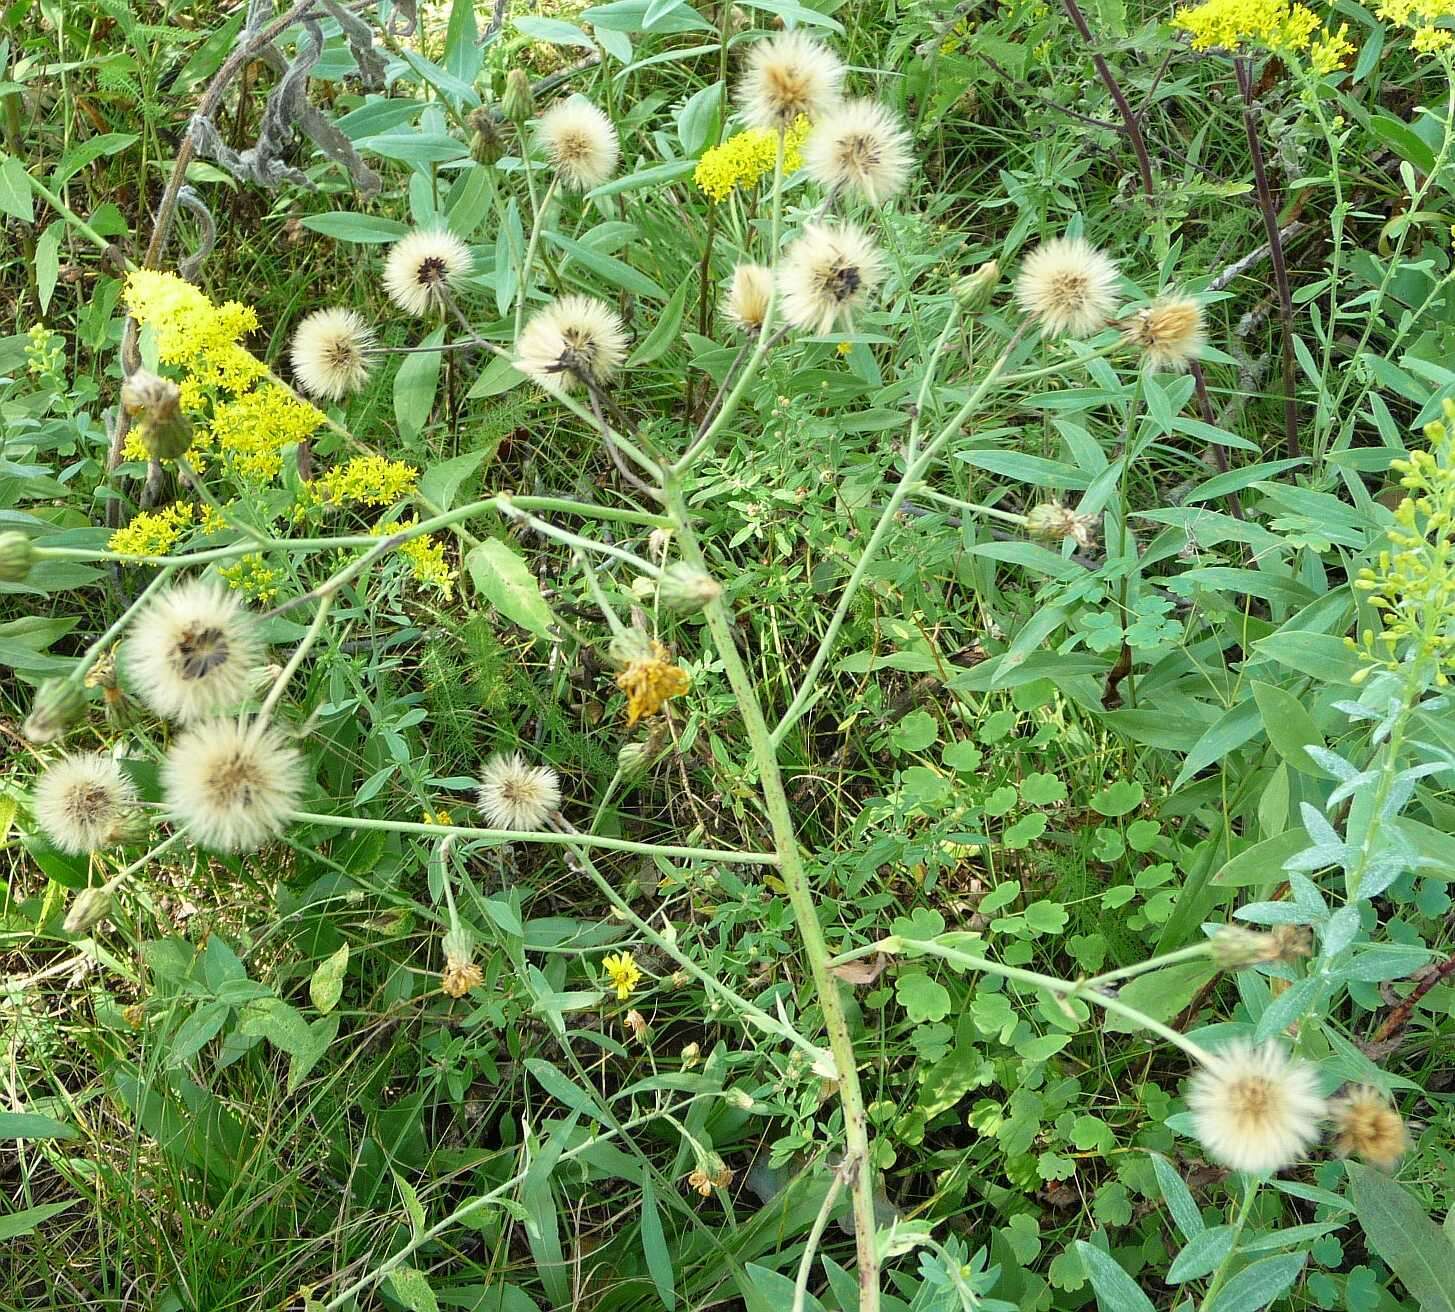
(859, 146)
(1256, 1109)
(636, 1023)
(648, 676)
(827, 275)
(192, 652)
(422, 267)
(1233, 947)
(81, 802)
(155, 407)
(514, 795)
(1169, 333)
(1366, 1126)
(1053, 522)
(1067, 286)
(572, 341)
(580, 143)
(330, 353)
(788, 75)
(231, 786)
(747, 300)
(58, 704)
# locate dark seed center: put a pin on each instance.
(200, 652)
(844, 281)
(431, 271)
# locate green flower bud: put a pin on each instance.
(58, 705)
(687, 590)
(155, 407)
(519, 102)
(630, 647)
(90, 907)
(486, 143)
(16, 557)
(975, 289)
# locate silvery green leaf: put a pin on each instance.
(1319, 829)
(1350, 788)
(1339, 930)
(1307, 897)
(1318, 857)
(1272, 913)
(1378, 962)
(1355, 711)
(1289, 1006)
(1380, 873)
(1335, 764)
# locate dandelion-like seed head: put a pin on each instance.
(330, 353)
(231, 786)
(827, 275)
(422, 267)
(514, 795)
(1366, 1126)
(860, 146)
(747, 300)
(788, 75)
(580, 143)
(1169, 333)
(1067, 286)
(573, 341)
(81, 802)
(1255, 1108)
(192, 652)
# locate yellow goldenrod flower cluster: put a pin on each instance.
(1413, 583)
(622, 970)
(252, 418)
(426, 557)
(251, 574)
(1420, 17)
(746, 157)
(193, 333)
(253, 430)
(152, 532)
(1277, 25)
(363, 481)
(1332, 51)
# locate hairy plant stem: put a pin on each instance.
(535, 836)
(915, 470)
(1269, 211)
(857, 1163)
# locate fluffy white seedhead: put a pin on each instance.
(1067, 286)
(81, 802)
(1169, 333)
(514, 795)
(580, 143)
(192, 652)
(747, 300)
(861, 147)
(421, 267)
(571, 341)
(1256, 1109)
(788, 75)
(330, 353)
(827, 275)
(231, 786)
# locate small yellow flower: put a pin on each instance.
(440, 817)
(426, 557)
(252, 575)
(1276, 25)
(622, 969)
(746, 158)
(649, 680)
(152, 532)
(363, 481)
(843, 348)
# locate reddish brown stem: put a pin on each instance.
(1275, 255)
(1114, 90)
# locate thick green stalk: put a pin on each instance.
(858, 1163)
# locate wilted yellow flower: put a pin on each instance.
(622, 970)
(649, 679)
